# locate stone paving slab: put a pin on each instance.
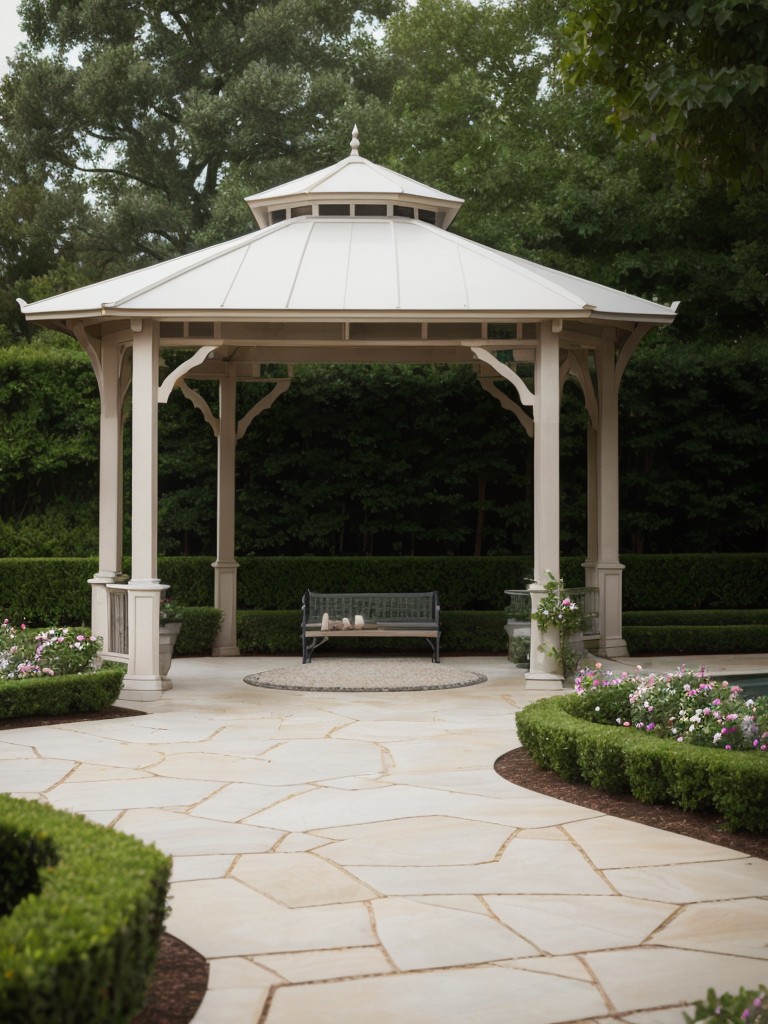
(353, 858)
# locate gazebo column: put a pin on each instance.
(110, 498)
(608, 568)
(225, 567)
(544, 671)
(143, 680)
(589, 565)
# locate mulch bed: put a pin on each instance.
(84, 716)
(178, 985)
(181, 973)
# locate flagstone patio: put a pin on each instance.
(352, 857)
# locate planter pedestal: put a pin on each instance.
(168, 633)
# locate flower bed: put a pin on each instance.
(681, 738)
(50, 672)
(56, 651)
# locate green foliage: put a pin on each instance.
(86, 915)
(729, 581)
(551, 736)
(700, 485)
(269, 632)
(152, 115)
(472, 632)
(601, 762)
(199, 627)
(699, 617)
(557, 613)
(48, 432)
(733, 783)
(643, 640)
(644, 767)
(61, 695)
(747, 1006)
(686, 75)
(279, 632)
(462, 582)
(41, 590)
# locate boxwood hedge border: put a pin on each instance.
(61, 695)
(83, 909)
(734, 784)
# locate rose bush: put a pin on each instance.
(57, 651)
(685, 706)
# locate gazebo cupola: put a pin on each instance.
(351, 264)
(354, 187)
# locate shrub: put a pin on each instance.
(746, 1007)
(85, 913)
(199, 627)
(61, 695)
(734, 783)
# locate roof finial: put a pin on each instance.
(355, 143)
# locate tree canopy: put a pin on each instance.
(690, 76)
(130, 133)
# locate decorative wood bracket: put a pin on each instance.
(577, 363)
(262, 405)
(526, 395)
(213, 421)
(165, 389)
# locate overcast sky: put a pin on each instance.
(10, 33)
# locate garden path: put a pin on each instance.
(348, 857)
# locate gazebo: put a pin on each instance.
(351, 264)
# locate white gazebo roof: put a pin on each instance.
(345, 265)
(359, 180)
(354, 239)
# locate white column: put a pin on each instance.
(225, 567)
(590, 563)
(110, 493)
(143, 680)
(608, 569)
(544, 671)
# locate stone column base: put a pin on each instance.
(138, 688)
(543, 681)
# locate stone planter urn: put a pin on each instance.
(168, 633)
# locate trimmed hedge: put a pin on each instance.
(84, 909)
(61, 695)
(695, 581)
(199, 627)
(699, 617)
(732, 783)
(723, 639)
(279, 632)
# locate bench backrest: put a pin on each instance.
(409, 607)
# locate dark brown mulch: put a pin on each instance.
(516, 766)
(178, 986)
(82, 716)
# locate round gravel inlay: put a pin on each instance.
(361, 674)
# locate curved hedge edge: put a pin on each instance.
(60, 695)
(83, 946)
(653, 770)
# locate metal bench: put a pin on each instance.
(368, 615)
